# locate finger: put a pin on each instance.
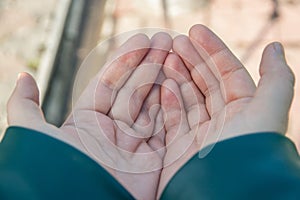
(144, 126)
(234, 79)
(145, 122)
(147, 133)
(200, 73)
(23, 106)
(157, 141)
(100, 93)
(130, 98)
(183, 47)
(176, 123)
(193, 99)
(275, 89)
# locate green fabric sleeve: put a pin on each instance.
(257, 166)
(36, 166)
(254, 166)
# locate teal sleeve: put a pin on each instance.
(256, 166)
(36, 166)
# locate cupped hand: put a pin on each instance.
(117, 121)
(209, 96)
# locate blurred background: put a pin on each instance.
(50, 39)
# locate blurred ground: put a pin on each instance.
(246, 26)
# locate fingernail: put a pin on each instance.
(280, 51)
(278, 48)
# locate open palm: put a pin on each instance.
(209, 97)
(117, 120)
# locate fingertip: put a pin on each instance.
(171, 61)
(178, 41)
(273, 61)
(22, 74)
(169, 83)
(200, 34)
(183, 46)
(276, 50)
(141, 37)
(27, 87)
(174, 68)
(276, 86)
(205, 40)
(162, 41)
(23, 104)
(161, 44)
(195, 29)
(181, 37)
(139, 41)
(25, 75)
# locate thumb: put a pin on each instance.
(276, 88)
(23, 105)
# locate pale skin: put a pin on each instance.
(206, 96)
